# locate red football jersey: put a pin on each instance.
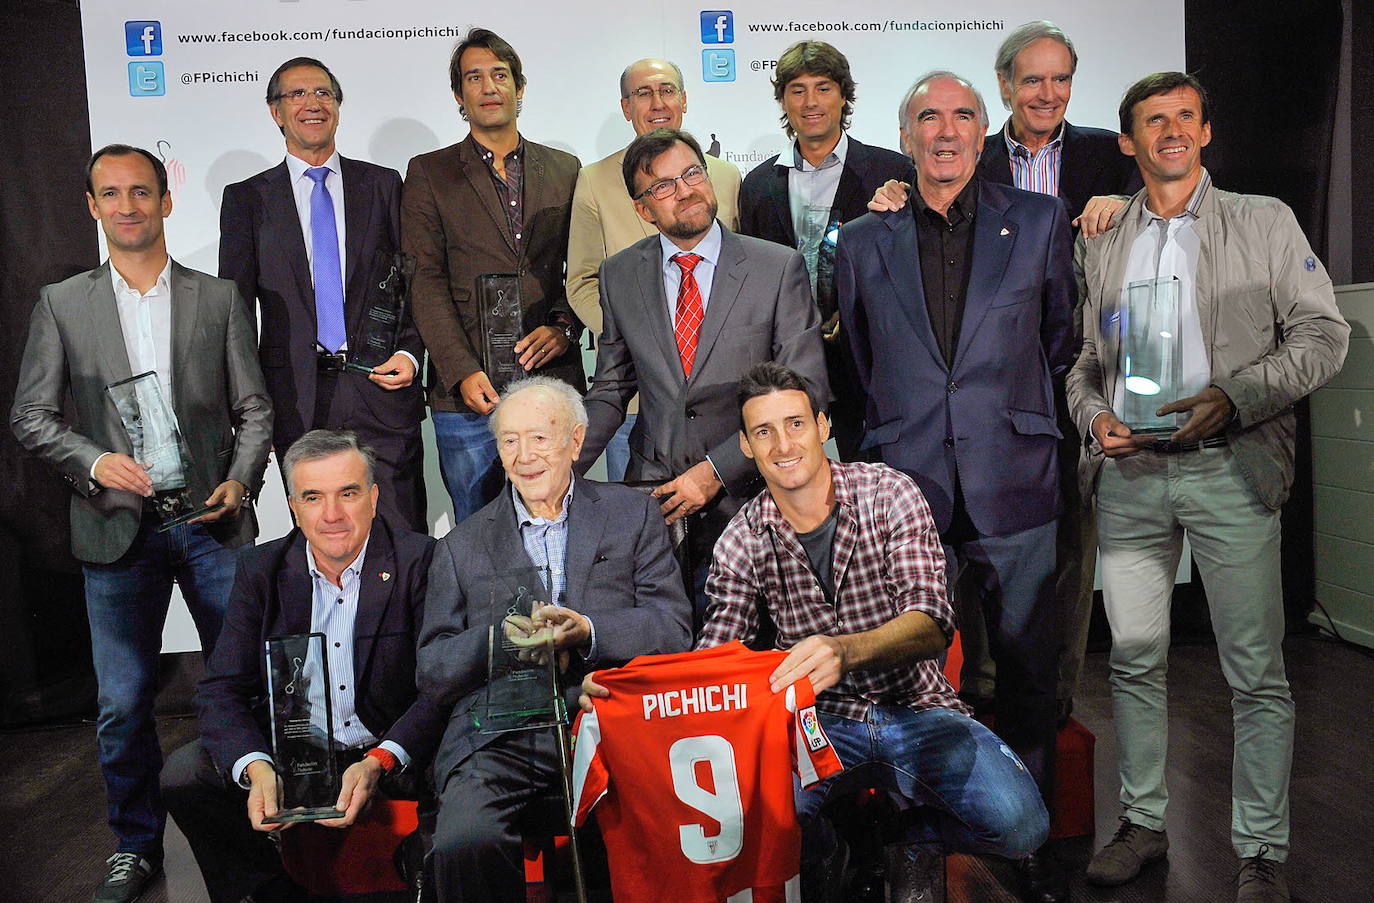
(690, 760)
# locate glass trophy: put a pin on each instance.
(522, 667)
(502, 325)
(816, 240)
(302, 728)
(159, 446)
(384, 312)
(1151, 357)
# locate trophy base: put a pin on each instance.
(292, 816)
(186, 518)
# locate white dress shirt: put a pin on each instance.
(709, 251)
(301, 188)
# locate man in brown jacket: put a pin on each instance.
(1257, 330)
(493, 203)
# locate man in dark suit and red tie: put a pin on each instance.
(959, 311)
(304, 239)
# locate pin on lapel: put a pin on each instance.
(1004, 231)
(385, 576)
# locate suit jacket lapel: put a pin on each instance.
(656, 307)
(358, 210)
(994, 236)
(374, 595)
(848, 192)
(279, 202)
(109, 335)
(780, 203)
(901, 261)
(535, 184)
(1116, 253)
(586, 522)
(478, 174)
(293, 583)
(185, 310)
(725, 288)
(504, 546)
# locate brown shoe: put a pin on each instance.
(1133, 847)
(1260, 880)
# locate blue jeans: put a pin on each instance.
(126, 602)
(618, 450)
(468, 461)
(982, 798)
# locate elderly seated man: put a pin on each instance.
(616, 592)
(343, 572)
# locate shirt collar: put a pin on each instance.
(525, 519)
(489, 155)
(767, 516)
(163, 283)
(835, 158)
(356, 567)
(964, 204)
(296, 167)
(1013, 145)
(707, 249)
(1148, 216)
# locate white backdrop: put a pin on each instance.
(187, 79)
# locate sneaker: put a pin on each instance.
(1260, 880)
(128, 877)
(1133, 847)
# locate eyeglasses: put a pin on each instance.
(298, 96)
(665, 92)
(666, 188)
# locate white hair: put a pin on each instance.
(927, 79)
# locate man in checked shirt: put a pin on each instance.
(846, 561)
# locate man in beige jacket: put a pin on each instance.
(1258, 331)
(604, 222)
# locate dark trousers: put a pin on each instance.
(1012, 582)
(342, 402)
(477, 855)
(234, 859)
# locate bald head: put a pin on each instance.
(652, 95)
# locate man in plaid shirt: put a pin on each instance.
(846, 561)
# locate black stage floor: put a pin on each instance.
(56, 840)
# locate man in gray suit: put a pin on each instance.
(738, 301)
(616, 592)
(137, 313)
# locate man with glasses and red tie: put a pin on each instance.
(684, 314)
(305, 239)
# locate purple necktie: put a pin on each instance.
(324, 241)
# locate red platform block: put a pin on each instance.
(1074, 802)
(355, 860)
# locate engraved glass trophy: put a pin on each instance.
(502, 325)
(302, 728)
(1151, 357)
(159, 446)
(522, 669)
(384, 312)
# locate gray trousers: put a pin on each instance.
(1145, 503)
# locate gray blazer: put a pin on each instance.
(760, 309)
(75, 342)
(620, 573)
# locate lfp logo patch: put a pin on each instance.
(811, 728)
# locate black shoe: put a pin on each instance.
(1043, 880)
(128, 877)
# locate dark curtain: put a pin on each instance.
(45, 236)
(1271, 70)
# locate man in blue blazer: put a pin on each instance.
(348, 574)
(615, 592)
(959, 313)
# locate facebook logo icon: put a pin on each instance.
(717, 26)
(143, 38)
(718, 65)
(146, 79)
